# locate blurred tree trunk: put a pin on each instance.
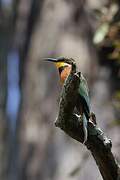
(35, 142)
(4, 146)
(7, 22)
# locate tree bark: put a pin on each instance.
(97, 143)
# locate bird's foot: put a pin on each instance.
(79, 118)
(82, 122)
(92, 118)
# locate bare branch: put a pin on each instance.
(97, 143)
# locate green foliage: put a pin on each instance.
(107, 41)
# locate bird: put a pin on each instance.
(65, 66)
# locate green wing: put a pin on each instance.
(83, 90)
(83, 98)
(85, 102)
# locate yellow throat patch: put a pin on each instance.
(60, 64)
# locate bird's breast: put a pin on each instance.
(65, 73)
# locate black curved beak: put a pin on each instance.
(60, 59)
(51, 59)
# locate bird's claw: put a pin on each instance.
(79, 118)
(92, 118)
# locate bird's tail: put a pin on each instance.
(85, 130)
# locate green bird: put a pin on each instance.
(64, 66)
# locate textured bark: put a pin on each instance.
(97, 143)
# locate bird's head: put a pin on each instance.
(64, 66)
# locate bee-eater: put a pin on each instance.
(64, 66)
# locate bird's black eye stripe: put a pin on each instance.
(61, 69)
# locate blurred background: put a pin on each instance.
(31, 148)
